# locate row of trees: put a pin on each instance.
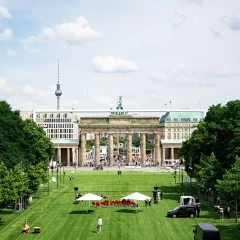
(25, 144)
(213, 149)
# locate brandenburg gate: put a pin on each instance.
(115, 125)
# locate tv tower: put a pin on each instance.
(58, 92)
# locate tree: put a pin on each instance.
(218, 134)
(199, 143)
(11, 135)
(90, 144)
(36, 175)
(208, 170)
(229, 187)
(38, 147)
(22, 141)
(104, 141)
(8, 192)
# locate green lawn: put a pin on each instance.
(61, 219)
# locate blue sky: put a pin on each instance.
(150, 52)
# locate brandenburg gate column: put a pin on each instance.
(97, 149)
(129, 148)
(172, 153)
(156, 148)
(110, 149)
(68, 157)
(59, 155)
(117, 140)
(143, 148)
(83, 150)
(164, 154)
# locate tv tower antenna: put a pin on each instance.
(58, 92)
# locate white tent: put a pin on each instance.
(137, 196)
(89, 197)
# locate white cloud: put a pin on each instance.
(4, 12)
(4, 86)
(11, 52)
(110, 64)
(6, 35)
(71, 32)
(232, 22)
(177, 20)
(32, 91)
(179, 77)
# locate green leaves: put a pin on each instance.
(229, 187)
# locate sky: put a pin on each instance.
(183, 53)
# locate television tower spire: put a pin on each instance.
(58, 92)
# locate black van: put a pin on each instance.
(206, 231)
(183, 211)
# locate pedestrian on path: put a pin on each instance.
(198, 209)
(99, 225)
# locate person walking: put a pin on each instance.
(198, 209)
(99, 225)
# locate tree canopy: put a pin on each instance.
(219, 134)
(22, 141)
(24, 153)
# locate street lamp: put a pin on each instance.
(190, 168)
(57, 175)
(48, 178)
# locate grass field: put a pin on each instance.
(60, 218)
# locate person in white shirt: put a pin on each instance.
(99, 225)
(221, 213)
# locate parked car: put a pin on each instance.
(205, 231)
(183, 211)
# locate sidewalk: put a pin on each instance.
(142, 169)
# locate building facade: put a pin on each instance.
(62, 129)
(69, 135)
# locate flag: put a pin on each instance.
(72, 108)
(165, 104)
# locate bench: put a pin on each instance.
(37, 229)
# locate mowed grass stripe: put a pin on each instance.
(60, 218)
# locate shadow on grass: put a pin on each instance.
(6, 211)
(128, 211)
(80, 212)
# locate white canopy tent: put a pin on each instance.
(89, 197)
(137, 196)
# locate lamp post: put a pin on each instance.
(48, 178)
(60, 165)
(57, 176)
(63, 173)
(190, 168)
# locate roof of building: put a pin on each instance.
(182, 117)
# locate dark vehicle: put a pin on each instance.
(206, 231)
(183, 211)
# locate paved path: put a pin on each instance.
(142, 169)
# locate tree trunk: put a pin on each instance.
(236, 220)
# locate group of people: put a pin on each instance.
(223, 210)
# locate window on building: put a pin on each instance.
(175, 119)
